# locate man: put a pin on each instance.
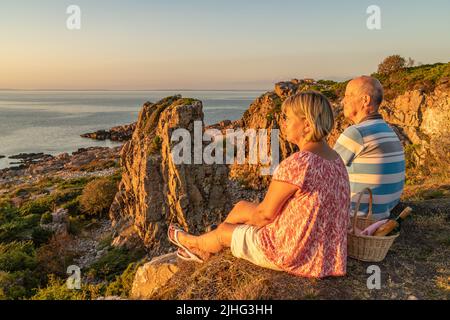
(370, 149)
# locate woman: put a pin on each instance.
(301, 226)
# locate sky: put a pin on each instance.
(210, 44)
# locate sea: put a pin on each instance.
(52, 121)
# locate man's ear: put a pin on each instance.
(366, 100)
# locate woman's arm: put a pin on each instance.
(266, 212)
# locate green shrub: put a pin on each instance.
(16, 256)
(40, 236)
(18, 228)
(98, 196)
(46, 218)
(114, 262)
(17, 285)
(122, 285)
(38, 206)
(73, 206)
(57, 290)
(7, 212)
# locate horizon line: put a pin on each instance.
(133, 90)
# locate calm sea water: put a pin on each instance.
(52, 121)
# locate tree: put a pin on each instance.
(391, 64)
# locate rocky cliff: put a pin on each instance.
(421, 119)
(156, 191)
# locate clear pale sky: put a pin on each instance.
(210, 44)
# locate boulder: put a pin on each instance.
(153, 275)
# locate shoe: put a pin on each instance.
(185, 253)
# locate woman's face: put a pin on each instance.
(293, 128)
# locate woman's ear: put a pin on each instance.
(307, 127)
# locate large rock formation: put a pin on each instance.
(156, 191)
(421, 120)
(424, 124)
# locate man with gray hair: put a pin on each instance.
(371, 150)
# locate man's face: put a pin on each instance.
(351, 102)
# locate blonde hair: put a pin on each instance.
(316, 109)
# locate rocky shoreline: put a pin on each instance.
(118, 133)
(39, 164)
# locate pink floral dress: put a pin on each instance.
(309, 236)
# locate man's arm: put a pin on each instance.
(349, 145)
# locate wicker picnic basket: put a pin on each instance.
(366, 248)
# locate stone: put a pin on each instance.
(118, 133)
(154, 190)
(60, 216)
(153, 275)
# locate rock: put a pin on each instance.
(60, 216)
(60, 222)
(411, 297)
(423, 121)
(119, 133)
(154, 191)
(30, 158)
(153, 275)
(285, 89)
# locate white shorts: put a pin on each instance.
(245, 246)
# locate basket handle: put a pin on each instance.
(369, 214)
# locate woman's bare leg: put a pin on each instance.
(211, 242)
(241, 212)
(220, 238)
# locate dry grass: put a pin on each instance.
(417, 265)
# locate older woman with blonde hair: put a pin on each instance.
(300, 226)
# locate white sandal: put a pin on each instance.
(175, 241)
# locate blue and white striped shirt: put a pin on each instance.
(375, 159)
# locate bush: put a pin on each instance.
(46, 218)
(122, 285)
(16, 256)
(78, 183)
(17, 285)
(18, 228)
(49, 203)
(56, 256)
(73, 206)
(57, 290)
(98, 196)
(40, 236)
(114, 262)
(37, 206)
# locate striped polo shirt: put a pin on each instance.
(374, 157)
